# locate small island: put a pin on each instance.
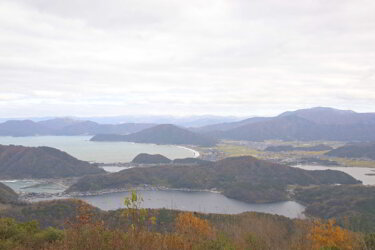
(150, 159)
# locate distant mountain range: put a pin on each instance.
(184, 121)
(66, 126)
(18, 162)
(230, 125)
(330, 116)
(161, 134)
(306, 124)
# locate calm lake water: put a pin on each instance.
(106, 152)
(204, 202)
(366, 175)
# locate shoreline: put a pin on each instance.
(150, 188)
(33, 197)
(41, 197)
(196, 153)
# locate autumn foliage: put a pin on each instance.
(186, 231)
(329, 236)
(191, 226)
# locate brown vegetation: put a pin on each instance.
(187, 231)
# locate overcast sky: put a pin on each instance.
(223, 57)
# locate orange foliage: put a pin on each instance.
(328, 235)
(84, 215)
(192, 230)
(252, 231)
(188, 224)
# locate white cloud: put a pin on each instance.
(239, 57)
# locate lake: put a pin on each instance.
(366, 175)
(198, 201)
(205, 202)
(195, 201)
(104, 152)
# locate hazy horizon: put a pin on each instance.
(144, 118)
(156, 57)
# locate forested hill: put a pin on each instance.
(161, 134)
(243, 178)
(349, 204)
(18, 162)
(7, 195)
(297, 128)
(357, 150)
(150, 159)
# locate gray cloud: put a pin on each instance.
(232, 57)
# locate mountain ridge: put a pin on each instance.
(161, 134)
(306, 124)
(67, 127)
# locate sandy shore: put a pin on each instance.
(196, 153)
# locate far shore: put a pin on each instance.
(33, 197)
(196, 153)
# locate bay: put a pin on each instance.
(104, 152)
(363, 174)
(194, 201)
